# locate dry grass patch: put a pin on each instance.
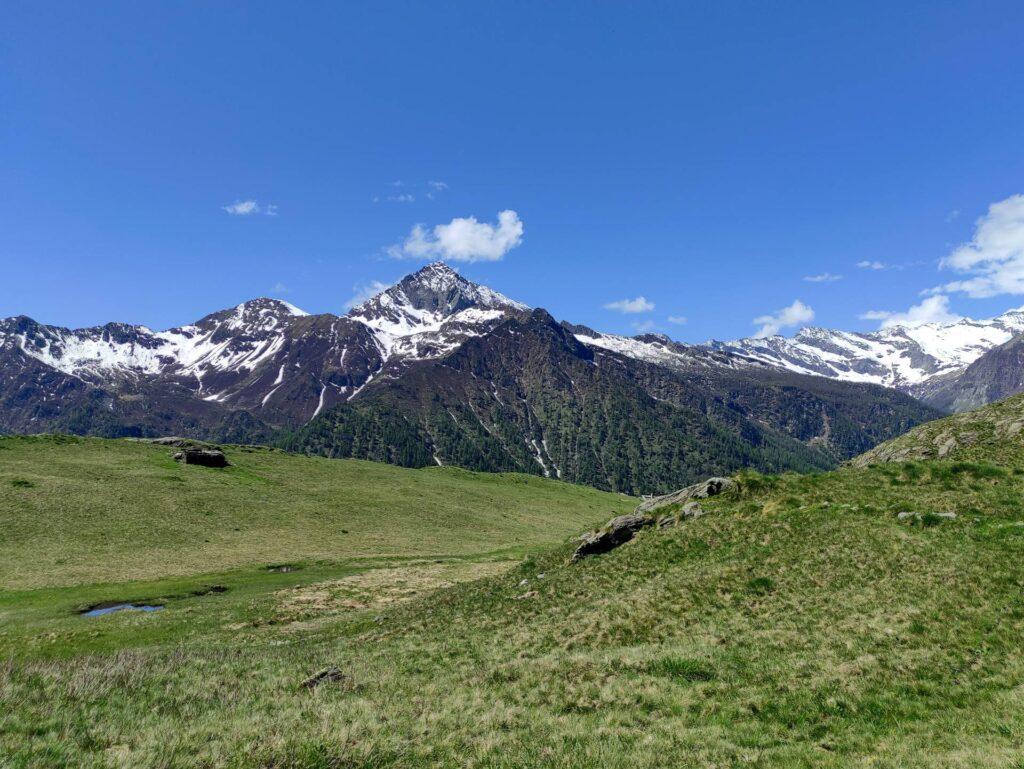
(377, 588)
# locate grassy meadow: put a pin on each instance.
(800, 623)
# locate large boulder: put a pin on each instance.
(618, 531)
(709, 488)
(203, 457)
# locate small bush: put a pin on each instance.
(21, 483)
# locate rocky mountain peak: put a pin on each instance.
(262, 313)
(435, 290)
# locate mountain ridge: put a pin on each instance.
(439, 370)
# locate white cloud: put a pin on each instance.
(463, 240)
(630, 306)
(677, 320)
(934, 309)
(644, 326)
(794, 315)
(405, 197)
(825, 277)
(279, 288)
(866, 265)
(994, 258)
(439, 186)
(364, 292)
(953, 215)
(250, 207)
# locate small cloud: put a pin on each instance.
(405, 197)
(630, 306)
(787, 317)
(825, 277)
(364, 292)
(866, 265)
(678, 320)
(934, 309)
(437, 186)
(249, 208)
(644, 326)
(953, 215)
(279, 288)
(463, 240)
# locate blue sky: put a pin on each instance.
(703, 157)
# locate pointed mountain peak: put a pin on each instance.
(437, 290)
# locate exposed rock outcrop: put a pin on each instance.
(203, 457)
(618, 531)
(709, 488)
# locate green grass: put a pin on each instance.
(87, 510)
(798, 624)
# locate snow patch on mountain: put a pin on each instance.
(431, 312)
(900, 356)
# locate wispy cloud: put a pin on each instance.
(365, 291)
(463, 240)
(787, 317)
(934, 309)
(953, 215)
(250, 208)
(872, 265)
(678, 320)
(994, 257)
(279, 288)
(642, 327)
(630, 306)
(438, 186)
(825, 277)
(405, 197)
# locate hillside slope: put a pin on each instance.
(83, 510)
(530, 396)
(800, 622)
(997, 374)
(992, 433)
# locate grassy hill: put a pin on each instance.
(992, 433)
(801, 623)
(83, 510)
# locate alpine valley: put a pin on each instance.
(439, 370)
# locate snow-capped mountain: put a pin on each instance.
(264, 355)
(903, 357)
(431, 312)
(437, 369)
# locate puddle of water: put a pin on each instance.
(101, 610)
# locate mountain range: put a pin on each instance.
(439, 370)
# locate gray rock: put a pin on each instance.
(691, 510)
(204, 457)
(709, 488)
(329, 675)
(618, 531)
(667, 522)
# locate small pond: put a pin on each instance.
(98, 611)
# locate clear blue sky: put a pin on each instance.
(705, 156)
